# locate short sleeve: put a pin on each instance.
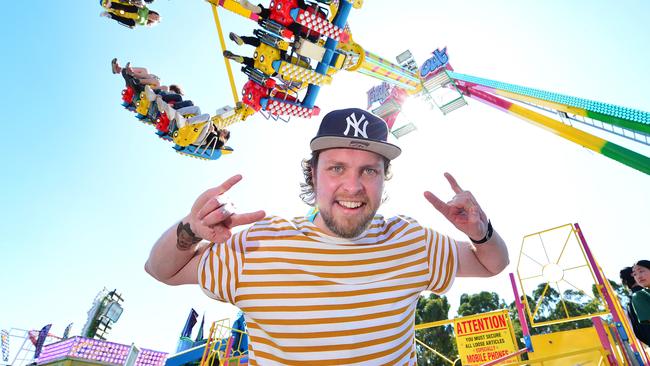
(641, 304)
(442, 261)
(220, 268)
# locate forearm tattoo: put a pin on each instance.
(185, 237)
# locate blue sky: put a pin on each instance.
(87, 189)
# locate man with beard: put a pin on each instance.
(340, 287)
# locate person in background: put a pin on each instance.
(641, 299)
(641, 331)
(129, 14)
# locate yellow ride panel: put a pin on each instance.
(292, 72)
(189, 134)
(142, 107)
(264, 56)
(581, 346)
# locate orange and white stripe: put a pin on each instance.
(313, 299)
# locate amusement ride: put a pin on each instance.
(299, 47)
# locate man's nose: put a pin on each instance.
(352, 183)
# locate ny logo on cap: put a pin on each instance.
(352, 122)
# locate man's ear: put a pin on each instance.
(313, 166)
(313, 179)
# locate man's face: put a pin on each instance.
(349, 184)
(641, 275)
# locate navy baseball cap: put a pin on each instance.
(354, 128)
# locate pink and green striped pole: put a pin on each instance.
(591, 142)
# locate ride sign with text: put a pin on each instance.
(484, 337)
(438, 59)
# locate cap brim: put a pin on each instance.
(389, 151)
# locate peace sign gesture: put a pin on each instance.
(462, 210)
(211, 218)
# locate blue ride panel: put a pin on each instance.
(330, 45)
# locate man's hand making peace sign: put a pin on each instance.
(174, 258)
(211, 217)
(490, 255)
(462, 210)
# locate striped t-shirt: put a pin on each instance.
(313, 299)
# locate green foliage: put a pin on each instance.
(619, 290)
(482, 302)
(433, 308)
(429, 309)
(553, 307)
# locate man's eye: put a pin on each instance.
(336, 169)
(370, 171)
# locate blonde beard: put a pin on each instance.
(347, 233)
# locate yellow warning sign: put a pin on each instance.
(484, 337)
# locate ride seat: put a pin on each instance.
(193, 110)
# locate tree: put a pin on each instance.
(547, 297)
(619, 290)
(429, 309)
(555, 307)
(482, 302)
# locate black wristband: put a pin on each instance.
(487, 237)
